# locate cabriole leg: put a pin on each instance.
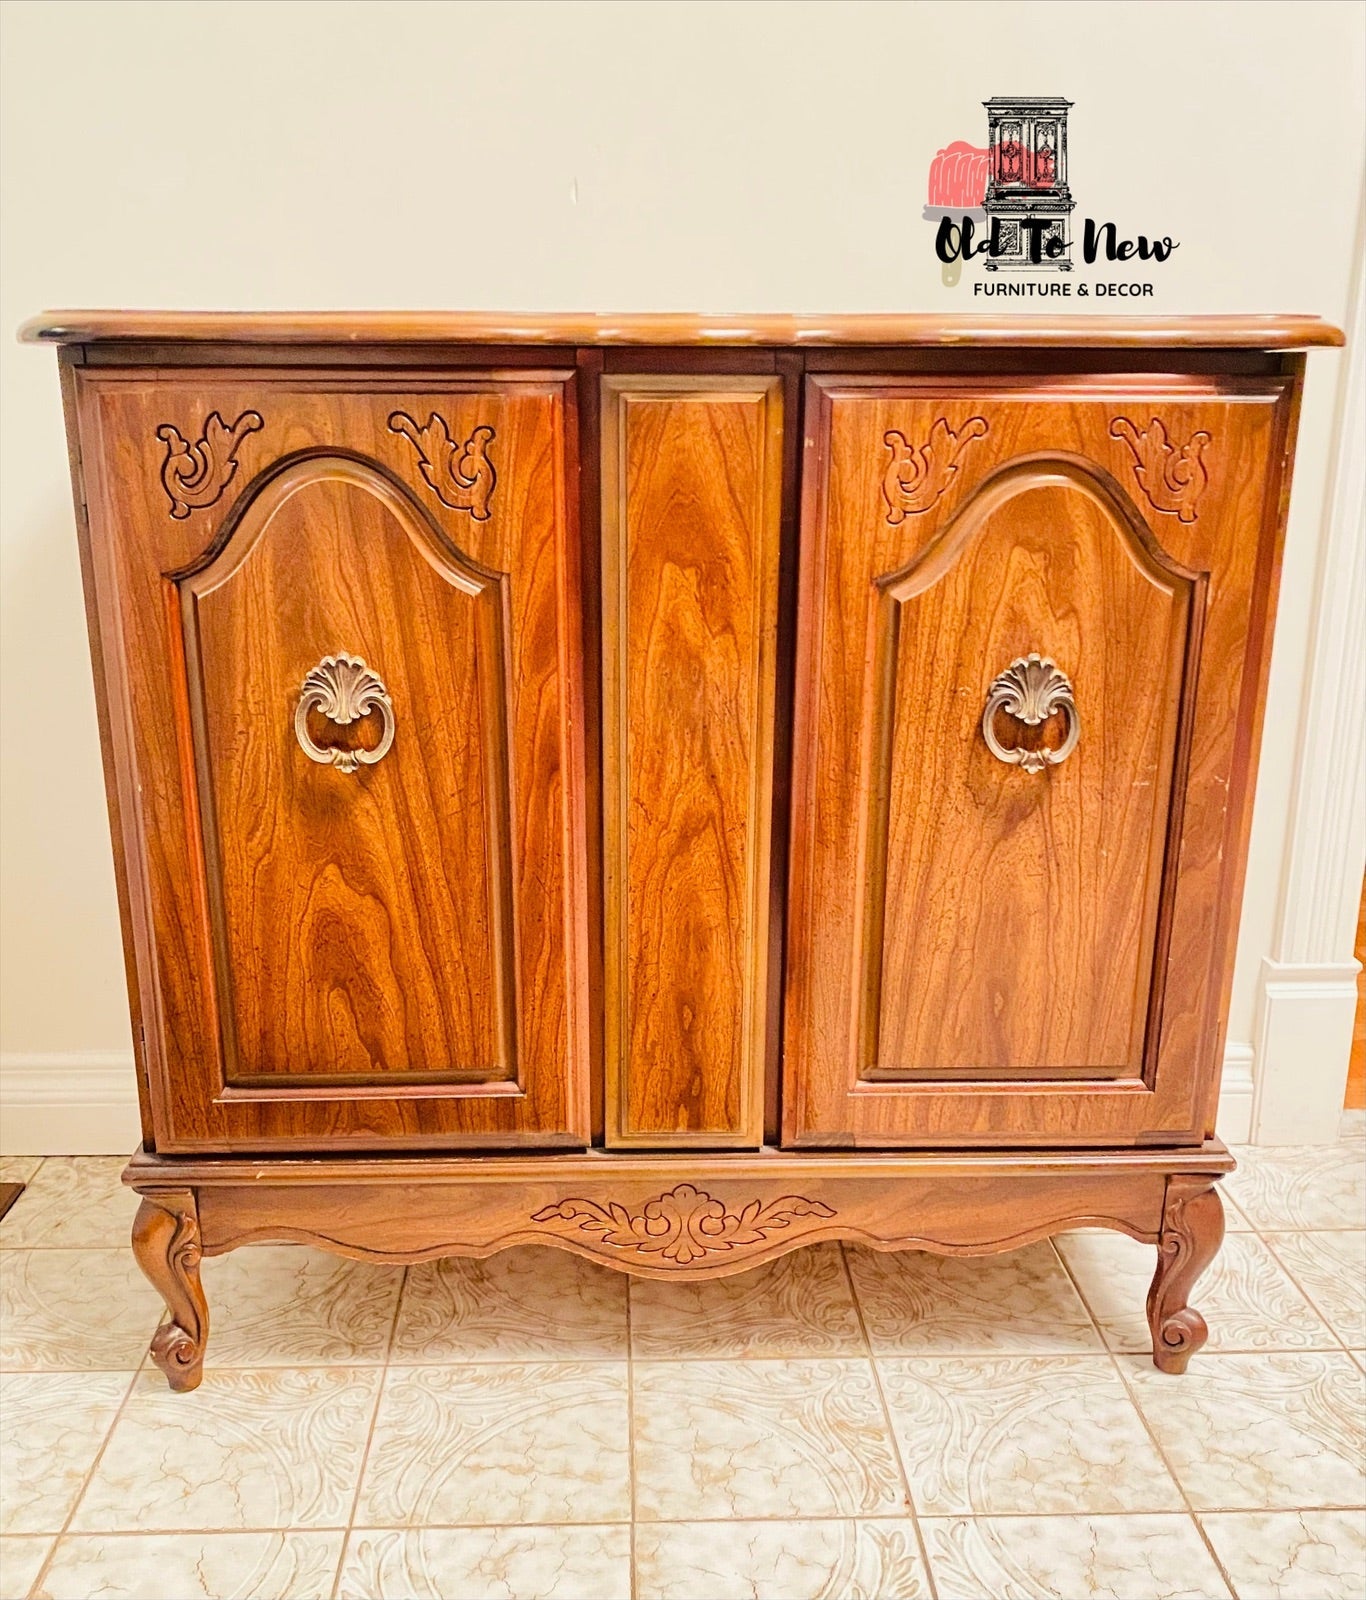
(166, 1244)
(1192, 1231)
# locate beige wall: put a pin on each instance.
(616, 156)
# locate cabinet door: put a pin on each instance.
(1031, 636)
(340, 634)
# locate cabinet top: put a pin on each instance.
(678, 328)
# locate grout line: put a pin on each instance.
(1081, 1295)
(1289, 1271)
(1148, 1429)
(90, 1473)
(835, 1518)
(891, 1427)
(370, 1435)
(1345, 1146)
(54, 1540)
(60, 1249)
(205, 1533)
(631, 1428)
(344, 1546)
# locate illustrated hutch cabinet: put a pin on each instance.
(677, 789)
(1027, 198)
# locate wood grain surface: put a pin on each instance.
(394, 954)
(1023, 905)
(365, 920)
(962, 1202)
(962, 932)
(683, 1217)
(1036, 331)
(691, 505)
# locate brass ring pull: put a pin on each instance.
(344, 689)
(1031, 689)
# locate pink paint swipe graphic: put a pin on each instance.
(958, 177)
(960, 173)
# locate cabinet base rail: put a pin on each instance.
(673, 1216)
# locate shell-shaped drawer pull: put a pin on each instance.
(344, 689)
(1031, 689)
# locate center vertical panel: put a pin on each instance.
(692, 488)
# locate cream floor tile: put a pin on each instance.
(798, 1305)
(269, 1449)
(520, 1563)
(917, 1304)
(1331, 1269)
(21, 1557)
(834, 1560)
(538, 1442)
(74, 1310)
(1035, 1434)
(1281, 1188)
(1244, 1294)
(285, 1305)
(1062, 1558)
(51, 1427)
(73, 1201)
(1353, 1125)
(1251, 1433)
(520, 1305)
(18, 1169)
(1292, 1555)
(736, 1440)
(286, 1565)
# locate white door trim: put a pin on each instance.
(1306, 996)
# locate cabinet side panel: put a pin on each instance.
(691, 487)
(102, 630)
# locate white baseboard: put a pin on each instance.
(87, 1105)
(68, 1105)
(1303, 1042)
(1233, 1121)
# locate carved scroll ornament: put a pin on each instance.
(166, 1244)
(684, 1224)
(461, 475)
(915, 478)
(194, 475)
(1192, 1231)
(344, 689)
(1031, 689)
(1173, 479)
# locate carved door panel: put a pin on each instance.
(691, 502)
(1025, 648)
(352, 795)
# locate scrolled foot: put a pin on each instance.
(166, 1244)
(1192, 1231)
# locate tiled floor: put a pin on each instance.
(839, 1423)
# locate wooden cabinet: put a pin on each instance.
(678, 790)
